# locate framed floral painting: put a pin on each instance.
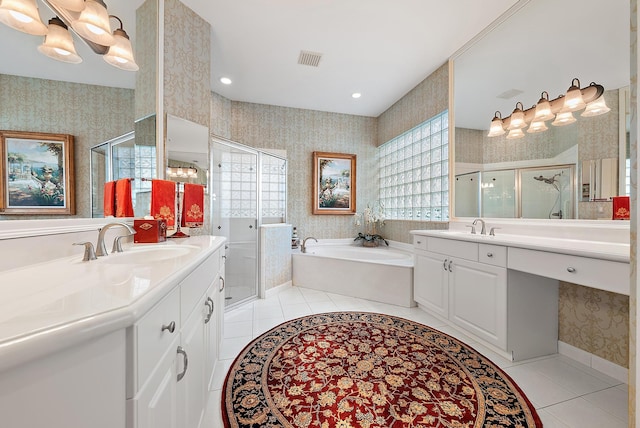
(36, 173)
(334, 183)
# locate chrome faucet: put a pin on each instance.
(101, 249)
(303, 247)
(484, 229)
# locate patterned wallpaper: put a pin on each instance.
(220, 116)
(428, 98)
(92, 114)
(596, 321)
(300, 132)
(187, 59)
(146, 51)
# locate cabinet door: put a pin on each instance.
(430, 282)
(478, 300)
(156, 403)
(211, 332)
(192, 385)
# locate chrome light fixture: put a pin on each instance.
(517, 118)
(560, 108)
(58, 43)
(497, 128)
(182, 172)
(573, 101)
(120, 54)
(88, 19)
(543, 108)
(93, 23)
(22, 15)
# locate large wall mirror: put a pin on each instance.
(541, 46)
(92, 100)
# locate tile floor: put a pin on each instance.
(565, 392)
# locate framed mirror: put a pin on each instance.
(518, 59)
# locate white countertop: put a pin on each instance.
(51, 305)
(599, 249)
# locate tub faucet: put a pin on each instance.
(101, 249)
(484, 229)
(303, 247)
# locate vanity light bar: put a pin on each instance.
(520, 117)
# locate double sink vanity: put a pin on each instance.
(503, 288)
(129, 339)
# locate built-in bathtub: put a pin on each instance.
(383, 274)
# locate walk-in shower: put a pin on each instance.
(250, 190)
(535, 192)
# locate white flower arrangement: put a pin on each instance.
(372, 217)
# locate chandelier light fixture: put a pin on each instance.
(589, 98)
(88, 19)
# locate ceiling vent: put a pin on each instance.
(309, 58)
(510, 94)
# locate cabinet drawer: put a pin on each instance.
(196, 284)
(151, 339)
(495, 255)
(451, 247)
(420, 242)
(597, 273)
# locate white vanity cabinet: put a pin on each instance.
(468, 285)
(173, 350)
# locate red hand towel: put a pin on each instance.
(193, 205)
(109, 199)
(163, 201)
(124, 204)
(621, 208)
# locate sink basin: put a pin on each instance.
(150, 254)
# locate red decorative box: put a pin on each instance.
(149, 231)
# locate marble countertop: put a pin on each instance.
(52, 305)
(596, 248)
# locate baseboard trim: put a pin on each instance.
(278, 288)
(595, 362)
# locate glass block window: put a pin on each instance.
(414, 172)
(238, 186)
(274, 186)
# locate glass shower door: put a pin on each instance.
(235, 216)
(547, 192)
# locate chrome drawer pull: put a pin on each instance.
(221, 284)
(444, 264)
(209, 304)
(418, 242)
(450, 263)
(186, 362)
(489, 255)
(171, 327)
(571, 269)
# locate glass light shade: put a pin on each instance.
(537, 126)
(93, 23)
(22, 15)
(564, 118)
(596, 108)
(58, 43)
(573, 100)
(517, 119)
(543, 111)
(121, 53)
(496, 128)
(72, 5)
(515, 133)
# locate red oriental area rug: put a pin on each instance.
(367, 370)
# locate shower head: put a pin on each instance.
(552, 180)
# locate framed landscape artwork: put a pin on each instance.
(36, 173)
(334, 183)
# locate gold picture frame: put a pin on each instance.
(334, 183)
(36, 173)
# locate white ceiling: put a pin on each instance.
(379, 48)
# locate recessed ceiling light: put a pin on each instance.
(225, 80)
(356, 95)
